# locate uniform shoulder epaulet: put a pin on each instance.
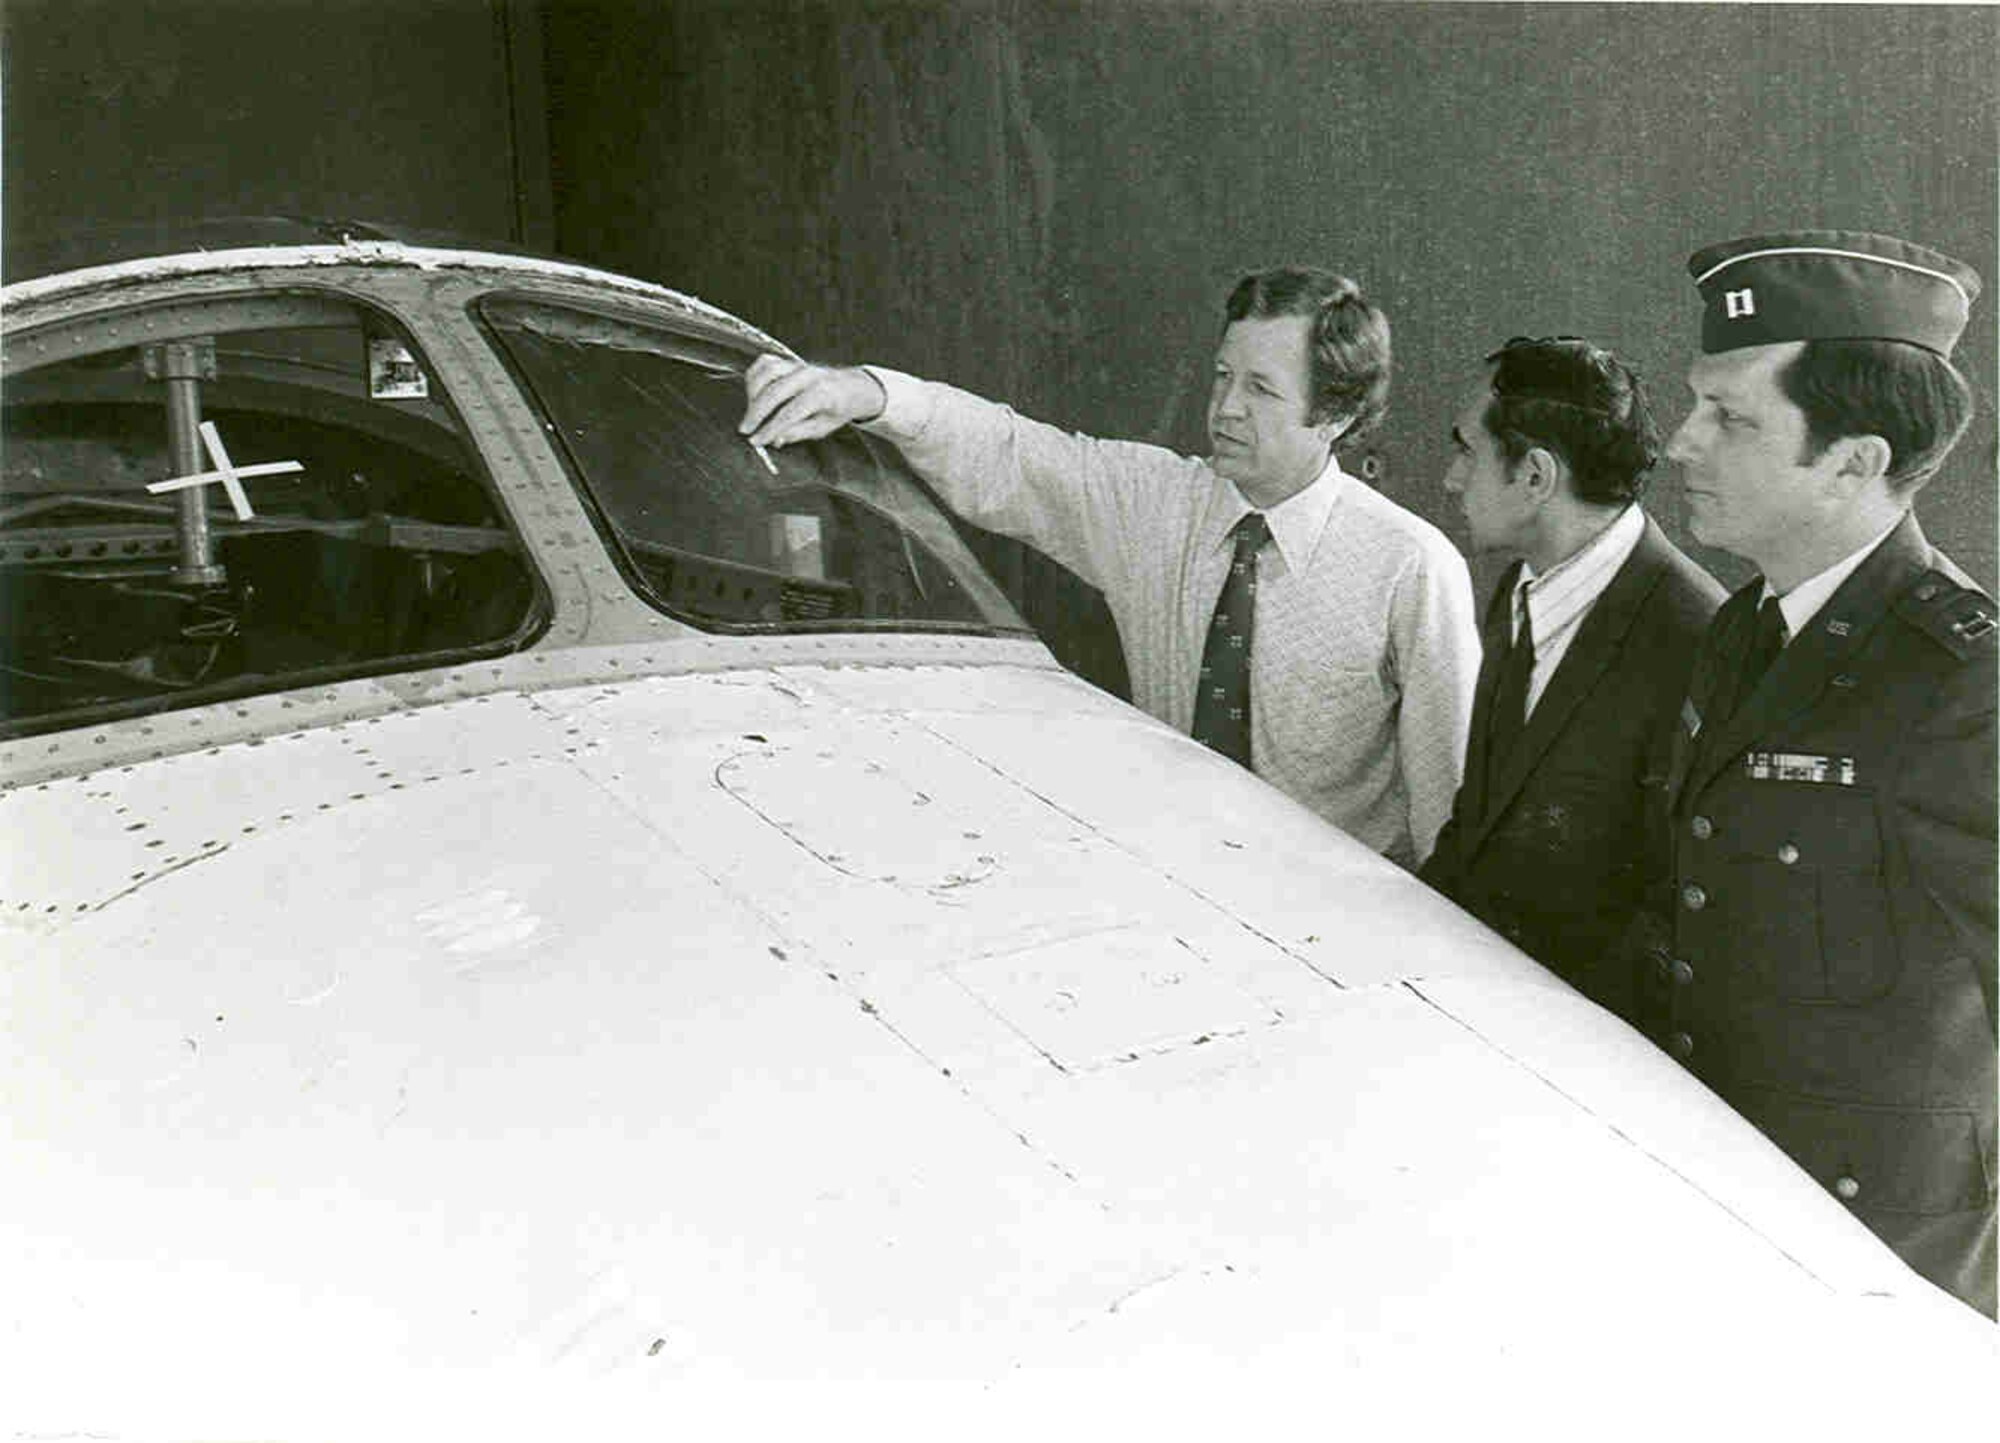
(1959, 618)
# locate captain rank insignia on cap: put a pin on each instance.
(1799, 767)
(1824, 285)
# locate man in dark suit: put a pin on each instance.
(1588, 640)
(1829, 964)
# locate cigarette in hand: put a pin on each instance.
(765, 457)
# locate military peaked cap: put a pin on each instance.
(1824, 285)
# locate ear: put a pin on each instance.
(1853, 462)
(1332, 430)
(1541, 471)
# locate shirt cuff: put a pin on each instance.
(906, 407)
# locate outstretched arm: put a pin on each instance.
(1098, 507)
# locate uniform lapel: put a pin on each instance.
(1814, 657)
(1717, 661)
(1599, 640)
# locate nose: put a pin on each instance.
(1454, 484)
(1228, 399)
(1680, 447)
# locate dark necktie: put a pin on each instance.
(1222, 694)
(1510, 697)
(1765, 645)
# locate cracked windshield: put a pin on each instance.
(829, 535)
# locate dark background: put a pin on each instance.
(1046, 202)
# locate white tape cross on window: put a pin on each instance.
(229, 474)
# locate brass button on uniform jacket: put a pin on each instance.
(1830, 969)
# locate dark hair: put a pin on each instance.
(1911, 397)
(1348, 352)
(1583, 404)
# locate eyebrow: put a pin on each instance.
(1252, 373)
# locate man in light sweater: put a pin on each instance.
(1274, 606)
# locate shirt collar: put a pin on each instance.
(1577, 580)
(1296, 523)
(1803, 601)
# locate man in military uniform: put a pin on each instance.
(1588, 642)
(1830, 798)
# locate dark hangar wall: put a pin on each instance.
(424, 113)
(1046, 201)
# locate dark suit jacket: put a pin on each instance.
(1830, 969)
(1550, 854)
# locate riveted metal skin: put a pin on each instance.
(598, 628)
(554, 1043)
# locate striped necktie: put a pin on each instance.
(1222, 694)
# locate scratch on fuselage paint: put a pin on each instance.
(1146, 1287)
(1098, 834)
(166, 871)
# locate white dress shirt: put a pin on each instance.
(1802, 603)
(1365, 652)
(1557, 601)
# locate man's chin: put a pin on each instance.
(1241, 477)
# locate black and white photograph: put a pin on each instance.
(913, 719)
